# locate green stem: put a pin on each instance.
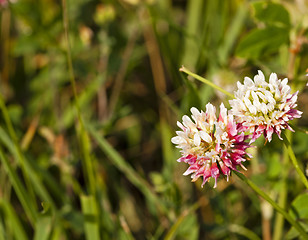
(282, 197)
(294, 160)
(183, 69)
(85, 143)
(262, 194)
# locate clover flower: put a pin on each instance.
(264, 107)
(211, 147)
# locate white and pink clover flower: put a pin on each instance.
(209, 145)
(264, 107)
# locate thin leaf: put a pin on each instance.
(232, 33)
(32, 173)
(13, 220)
(129, 172)
(89, 210)
(191, 46)
(19, 188)
(243, 231)
(43, 228)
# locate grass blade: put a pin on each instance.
(243, 231)
(12, 219)
(129, 172)
(19, 189)
(89, 210)
(33, 175)
(191, 45)
(43, 228)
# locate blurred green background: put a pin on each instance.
(100, 164)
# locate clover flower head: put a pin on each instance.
(209, 145)
(263, 107)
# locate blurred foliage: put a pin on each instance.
(126, 55)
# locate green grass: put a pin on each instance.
(90, 95)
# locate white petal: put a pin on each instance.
(254, 96)
(197, 140)
(211, 113)
(257, 104)
(264, 108)
(248, 82)
(180, 125)
(285, 118)
(261, 95)
(270, 106)
(281, 106)
(272, 87)
(259, 80)
(284, 82)
(196, 115)
(247, 94)
(223, 112)
(269, 96)
(285, 90)
(256, 101)
(261, 75)
(187, 122)
(239, 86)
(241, 106)
(233, 102)
(247, 102)
(294, 98)
(181, 134)
(195, 111)
(252, 109)
(177, 140)
(273, 79)
(205, 136)
(277, 94)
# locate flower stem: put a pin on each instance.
(213, 85)
(273, 203)
(282, 198)
(294, 160)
